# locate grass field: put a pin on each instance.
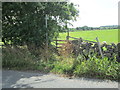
(110, 36)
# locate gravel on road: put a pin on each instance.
(22, 79)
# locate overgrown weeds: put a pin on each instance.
(94, 67)
(64, 66)
(16, 58)
(22, 59)
(98, 68)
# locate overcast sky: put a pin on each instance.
(96, 13)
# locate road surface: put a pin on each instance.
(18, 79)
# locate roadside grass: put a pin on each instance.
(22, 59)
(63, 66)
(110, 36)
(14, 58)
(92, 68)
(98, 68)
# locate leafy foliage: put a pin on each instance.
(99, 68)
(64, 67)
(24, 22)
(94, 67)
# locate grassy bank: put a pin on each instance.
(21, 59)
(92, 68)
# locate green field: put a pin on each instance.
(110, 36)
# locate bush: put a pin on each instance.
(93, 68)
(98, 68)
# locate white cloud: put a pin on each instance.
(97, 12)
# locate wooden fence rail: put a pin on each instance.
(59, 45)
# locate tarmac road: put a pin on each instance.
(20, 79)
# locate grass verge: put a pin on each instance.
(22, 59)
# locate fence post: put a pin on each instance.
(99, 47)
(67, 37)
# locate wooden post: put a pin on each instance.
(67, 34)
(67, 37)
(99, 47)
(46, 18)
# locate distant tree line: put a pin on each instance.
(84, 28)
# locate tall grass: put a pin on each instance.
(64, 66)
(22, 59)
(16, 58)
(94, 67)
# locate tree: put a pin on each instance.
(24, 22)
(85, 27)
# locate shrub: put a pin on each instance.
(99, 68)
(64, 66)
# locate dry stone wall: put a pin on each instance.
(89, 49)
